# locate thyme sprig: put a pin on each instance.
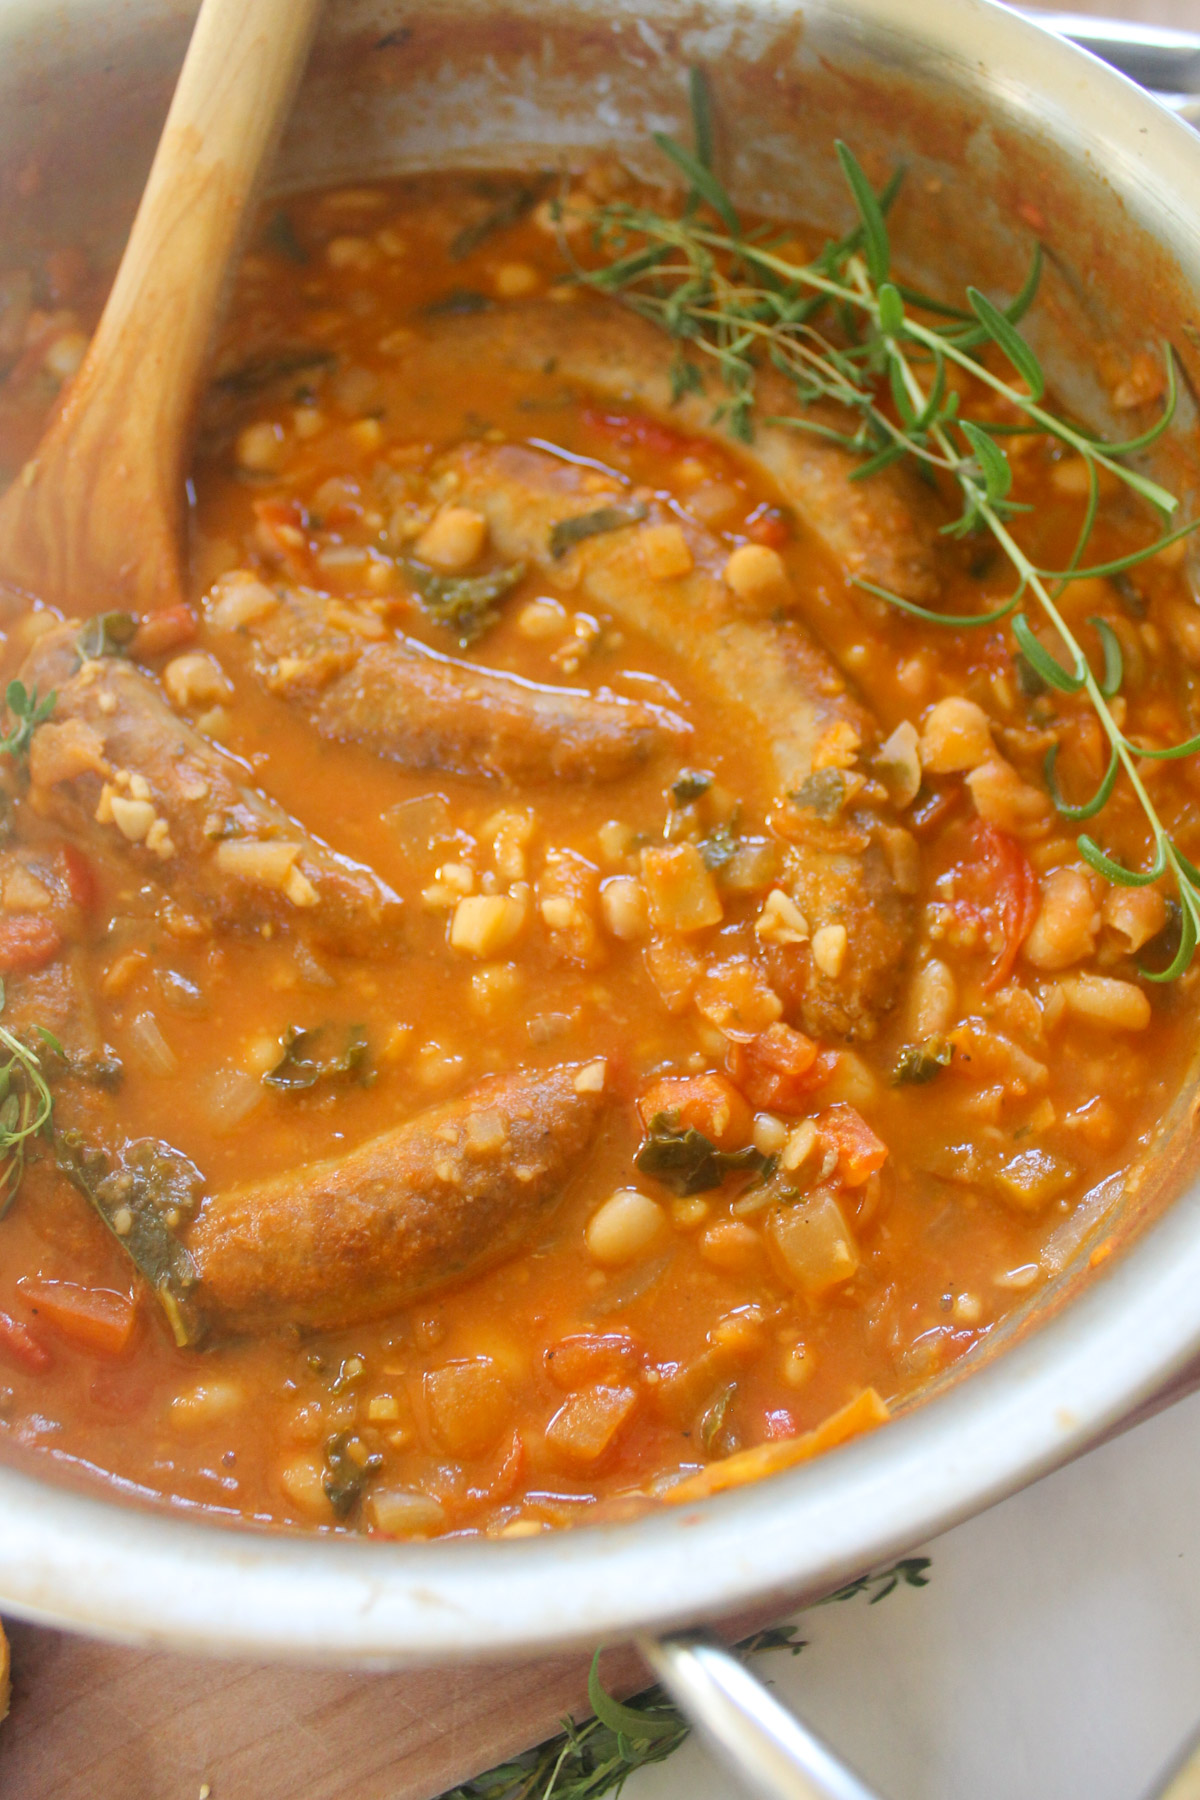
(847, 334)
(589, 1761)
(26, 1105)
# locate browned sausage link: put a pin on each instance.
(767, 671)
(426, 711)
(119, 769)
(455, 1190)
(884, 529)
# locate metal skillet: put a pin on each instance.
(959, 89)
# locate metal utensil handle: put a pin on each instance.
(759, 1741)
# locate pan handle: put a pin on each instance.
(766, 1747)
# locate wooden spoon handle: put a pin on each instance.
(95, 519)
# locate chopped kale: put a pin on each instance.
(689, 785)
(568, 532)
(106, 634)
(301, 1067)
(919, 1063)
(457, 303)
(145, 1195)
(262, 371)
(718, 848)
(823, 793)
(689, 1163)
(465, 603)
(509, 209)
(346, 1476)
(280, 235)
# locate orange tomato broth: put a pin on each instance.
(488, 1406)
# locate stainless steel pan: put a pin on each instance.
(1000, 124)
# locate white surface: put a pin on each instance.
(1054, 1655)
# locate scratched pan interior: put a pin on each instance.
(989, 115)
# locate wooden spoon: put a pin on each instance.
(95, 519)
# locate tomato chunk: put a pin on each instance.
(28, 941)
(637, 432)
(79, 875)
(706, 1103)
(96, 1319)
(1017, 896)
(162, 631)
(779, 1068)
(860, 1152)
(19, 1346)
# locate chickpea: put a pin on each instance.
(756, 574)
(453, 540)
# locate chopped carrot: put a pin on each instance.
(864, 1413)
(79, 875)
(860, 1152)
(162, 631)
(96, 1319)
(27, 942)
(19, 1345)
(706, 1103)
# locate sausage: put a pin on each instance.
(770, 672)
(883, 529)
(455, 1190)
(426, 711)
(114, 734)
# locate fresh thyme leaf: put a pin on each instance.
(567, 532)
(347, 1473)
(687, 1162)
(106, 634)
(918, 1063)
(280, 235)
(145, 1195)
(300, 1067)
(910, 1571)
(27, 713)
(466, 603)
(508, 210)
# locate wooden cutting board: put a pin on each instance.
(92, 1721)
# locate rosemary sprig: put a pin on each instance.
(589, 1761)
(843, 330)
(26, 1105)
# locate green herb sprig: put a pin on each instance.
(27, 712)
(843, 329)
(26, 1105)
(589, 1761)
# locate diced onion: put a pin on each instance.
(231, 1097)
(150, 1047)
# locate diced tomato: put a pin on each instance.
(19, 1345)
(283, 535)
(28, 941)
(706, 1103)
(504, 1481)
(780, 1423)
(638, 432)
(587, 1356)
(162, 631)
(779, 1068)
(79, 876)
(859, 1151)
(1017, 896)
(768, 525)
(96, 1319)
